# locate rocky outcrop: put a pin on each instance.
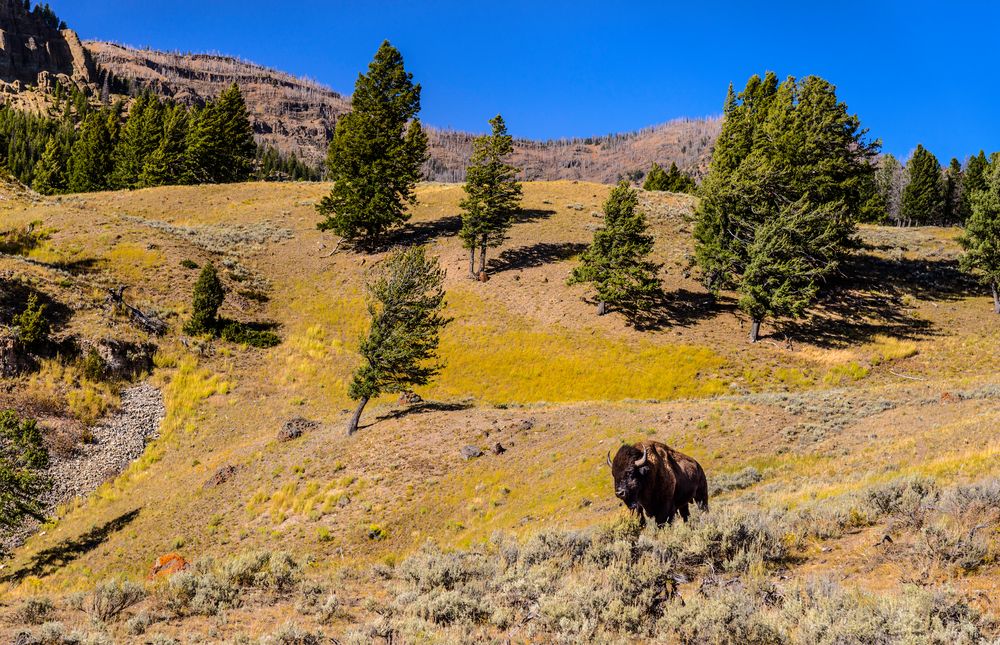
(35, 52)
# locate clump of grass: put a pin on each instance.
(244, 334)
(23, 239)
(725, 482)
(886, 349)
(59, 386)
(189, 264)
(840, 374)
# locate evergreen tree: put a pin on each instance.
(656, 179)
(208, 296)
(90, 160)
(973, 180)
(165, 165)
(405, 302)
(376, 154)
(953, 196)
(23, 463)
(981, 240)
(923, 199)
(493, 194)
(140, 137)
(617, 263)
(50, 173)
(220, 143)
(790, 177)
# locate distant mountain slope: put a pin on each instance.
(299, 115)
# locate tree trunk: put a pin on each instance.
(602, 308)
(996, 298)
(472, 262)
(353, 427)
(482, 260)
(755, 330)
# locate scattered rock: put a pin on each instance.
(521, 426)
(499, 449)
(167, 565)
(471, 452)
(483, 277)
(293, 428)
(221, 476)
(13, 359)
(410, 398)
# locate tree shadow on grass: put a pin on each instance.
(870, 298)
(417, 233)
(421, 408)
(14, 295)
(533, 215)
(534, 255)
(50, 560)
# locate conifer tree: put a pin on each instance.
(50, 173)
(165, 165)
(405, 302)
(617, 263)
(790, 177)
(140, 137)
(220, 143)
(656, 179)
(981, 240)
(376, 154)
(493, 194)
(208, 296)
(973, 180)
(90, 160)
(953, 196)
(23, 463)
(923, 198)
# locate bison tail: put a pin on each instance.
(701, 496)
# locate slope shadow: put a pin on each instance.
(534, 255)
(49, 560)
(682, 308)
(417, 233)
(421, 408)
(869, 298)
(533, 215)
(14, 296)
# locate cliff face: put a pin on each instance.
(31, 47)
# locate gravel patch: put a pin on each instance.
(117, 442)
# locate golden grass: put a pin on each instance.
(886, 349)
(84, 399)
(134, 261)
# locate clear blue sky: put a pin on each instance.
(915, 72)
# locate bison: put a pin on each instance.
(653, 479)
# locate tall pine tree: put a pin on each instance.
(923, 198)
(493, 194)
(165, 165)
(617, 262)
(973, 180)
(91, 158)
(220, 143)
(981, 240)
(140, 136)
(50, 173)
(953, 196)
(376, 154)
(790, 178)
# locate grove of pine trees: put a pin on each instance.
(493, 194)
(672, 180)
(981, 239)
(791, 175)
(376, 154)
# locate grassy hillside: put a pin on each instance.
(895, 376)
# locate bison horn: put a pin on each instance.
(642, 461)
(609, 458)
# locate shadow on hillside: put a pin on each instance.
(534, 255)
(533, 215)
(54, 558)
(421, 408)
(870, 299)
(681, 308)
(79, 267)
(14, 296)
(417, 233)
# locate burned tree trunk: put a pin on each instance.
(147, 322)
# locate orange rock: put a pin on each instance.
(948, 397)
(167, 565)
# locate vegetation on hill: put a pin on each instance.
(982, 234)
(376, 154)
(493, 195)
(23, 476)
(673, 180)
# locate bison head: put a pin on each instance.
(629, 469)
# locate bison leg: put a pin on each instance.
(685, 513)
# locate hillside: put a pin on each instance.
(875, 417)
(298, 115)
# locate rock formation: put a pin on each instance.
(33, 52)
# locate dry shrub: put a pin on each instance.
(112, 597)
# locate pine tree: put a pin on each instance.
(790, 178)
(50, 173)
(90, 160)
(973, 180)
(220, 143)
(140, 137)
(208, 296)
(953, 196)
(981, 240)
(376, 154)
(656, 179)
(923, 199)
(23, 464)
(165, 166)
(405, 302)
(617, 263)
(493, 194)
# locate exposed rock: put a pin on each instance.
(124, 360)
(499, 449)
(29, 46)
(293, 428)
(410, 398)
(471, 452)
(13, 359)
(167, 565)
(521, 426)
(221, 476)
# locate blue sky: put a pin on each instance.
(915, 72)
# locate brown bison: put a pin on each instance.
(653, 479)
